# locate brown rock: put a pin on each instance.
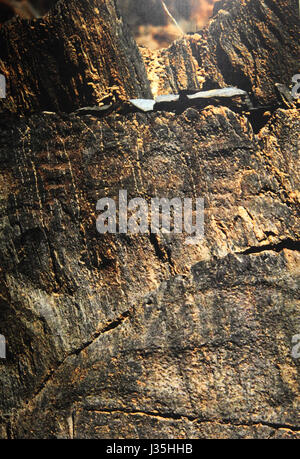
(249, 44)
(73, 57)
(144, 336)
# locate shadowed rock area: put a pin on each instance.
(76, 55)
(123, 336)
(249, 44)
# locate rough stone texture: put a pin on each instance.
(72, 57)
(117, 327)
(249, 44)
(114, 336)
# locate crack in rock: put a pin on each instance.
(288, 243)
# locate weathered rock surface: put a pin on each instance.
(249, 44)
(123, 336)
(75, 56)
(117, 323)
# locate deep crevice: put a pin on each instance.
(289, 244)
(109, 327)
(158, 251)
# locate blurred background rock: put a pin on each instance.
(150, 24)
(26, 9)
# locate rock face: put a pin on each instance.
(144, 336)
(75, 56)
(249, 44)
